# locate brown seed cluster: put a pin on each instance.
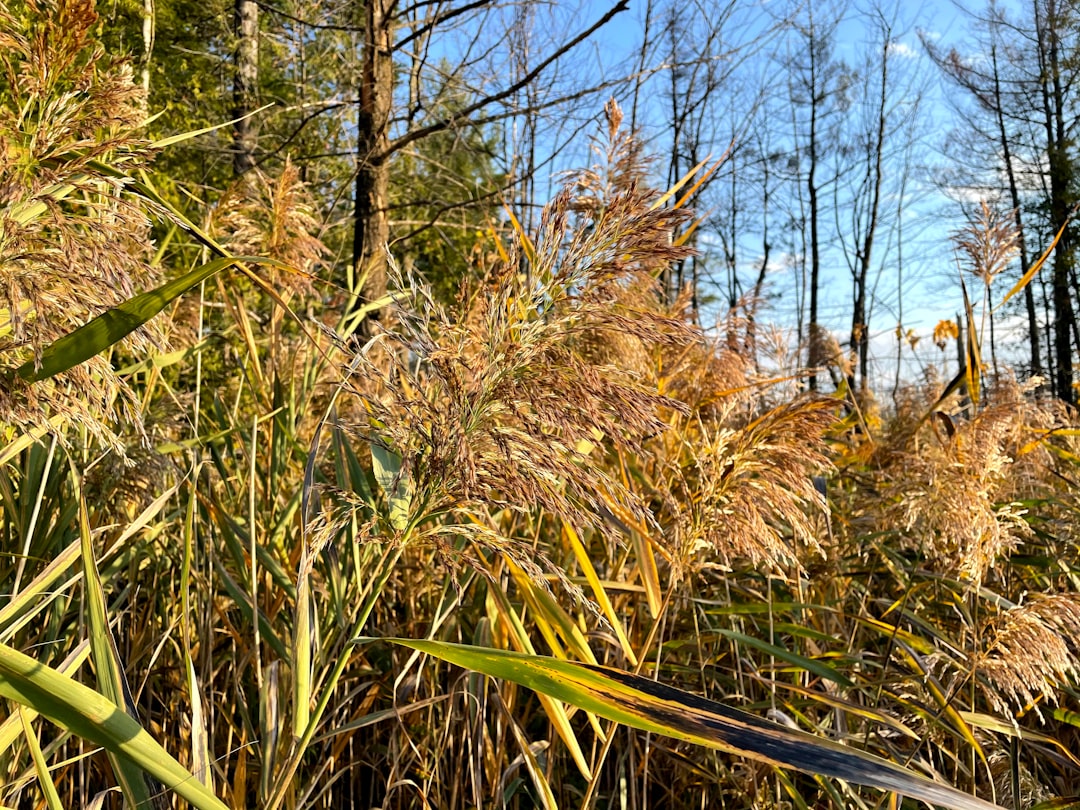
(508, 406)
(951, 486)
(72, 244)
(1035, 651)
(553, 392)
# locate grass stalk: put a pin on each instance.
(284, 780)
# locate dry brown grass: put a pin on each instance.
(747, 491)
(71, 243)
(945, 498)
(508, 406)
(1034, 652)
(951, 485)
(564, 397)
(273, 216)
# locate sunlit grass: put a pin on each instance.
(562, 466)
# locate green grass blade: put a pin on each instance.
(24, 606)
(110, 675)
(113, 325)
(784, 654)
(92, 716)
(161, 143)
(301, 661)
(11, 728)
(651, 706)
(395, 484)
(243, 601)
(45, 780)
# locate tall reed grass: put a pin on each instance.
(560, 479)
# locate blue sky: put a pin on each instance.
(930, 288)
(914, 287)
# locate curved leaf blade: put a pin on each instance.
(92, 716)
(651, 706)
(114, 324)
(818, 668)
(1035, 267)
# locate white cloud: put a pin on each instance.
(902, 50)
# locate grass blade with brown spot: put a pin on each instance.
(655, 707)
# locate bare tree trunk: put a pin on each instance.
(814, 358)
(697, 73)
(860, 328)
(245, 83)
(148, 43)
(818, 74)
(1060, 171)
(993, 90)
(1014, 197)
(672, 274)
(900, 337)
(371, 226)
(382, 21)
(766, 251)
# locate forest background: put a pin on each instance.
(856, 140)
(602, 349)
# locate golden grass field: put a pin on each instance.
(213, 520)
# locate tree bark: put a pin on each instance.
(371, 226)
(148, 44)
(245, 83)
(1060, 175)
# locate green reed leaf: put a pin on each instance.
(394, 482)
(92, 716)
(111, 326)
(810, 665)
(655, 707)
(45, 780)
(110, 674)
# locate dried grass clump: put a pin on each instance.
(1032, 790)
(1037, 422)
(506, 407)
(274, 217)
(734, 480)
(1034, 651)
(743, 491)
(123, 484)
(948, 496)
(717, 379)
(71, 244)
